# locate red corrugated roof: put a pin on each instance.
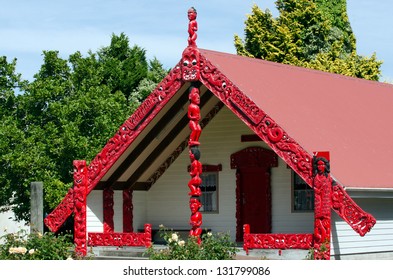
(352, 118)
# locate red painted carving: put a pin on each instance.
(190, 56)
(195, 172)
(280, 142)
(121, 239)
(120, 142)
(275, 241)
(192, 26)
(196, 218)
(347, 209)
(108, 204)
(196, 167)
(80, 191)
(254, 157)
(127, 211)
(56, 219)
(194, 116)
(251, 110)
(322, 183)
(190, 64)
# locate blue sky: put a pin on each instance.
(160, 27)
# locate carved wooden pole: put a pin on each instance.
(191, 73)
(108, 204)
(80, 193)
(127, 211)
(322, 183)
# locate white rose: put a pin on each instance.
(175, 237)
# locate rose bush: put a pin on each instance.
(212, 247)
(35, 246)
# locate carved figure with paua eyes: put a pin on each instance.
(190, 65)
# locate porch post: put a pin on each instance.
(127, 210)
(196, 166)
(80, 194)
(108, 210)
(191, 73)
(322, 184)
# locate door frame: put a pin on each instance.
(246, 158)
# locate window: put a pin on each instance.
(209, 188)
(303, 195)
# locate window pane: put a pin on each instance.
(209, 192)
(303, 195)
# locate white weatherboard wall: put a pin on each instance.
(167, 200)
(378, 243)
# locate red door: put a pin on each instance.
(255, 199)
(253, 191)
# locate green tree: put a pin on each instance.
(314, 34)
(156, 73)
(11, 137)
(69, 111)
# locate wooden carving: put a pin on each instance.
(80, 191)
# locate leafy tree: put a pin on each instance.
(155, 74)
(69, 111)
(11, 137)
(308, 33)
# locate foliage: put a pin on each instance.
(308, 33)
(69, 111)
(212, 247)
(35, 246)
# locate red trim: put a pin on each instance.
(121, 239)
(57, 217)
(109, 212)
(275, 241)
(127, 211)
(80, 190)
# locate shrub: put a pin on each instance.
(35, 246)
(212, 247)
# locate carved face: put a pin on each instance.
(191, 13)
(194, 205)
(190, 65)
(79, 166)
(321, 166)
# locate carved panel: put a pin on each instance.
(127, 211)
(109, 212)
(60, 214)
(80, 191)
(121, 239)
(350, 212)
(254, 157)
(275, 241)
(322, 183)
